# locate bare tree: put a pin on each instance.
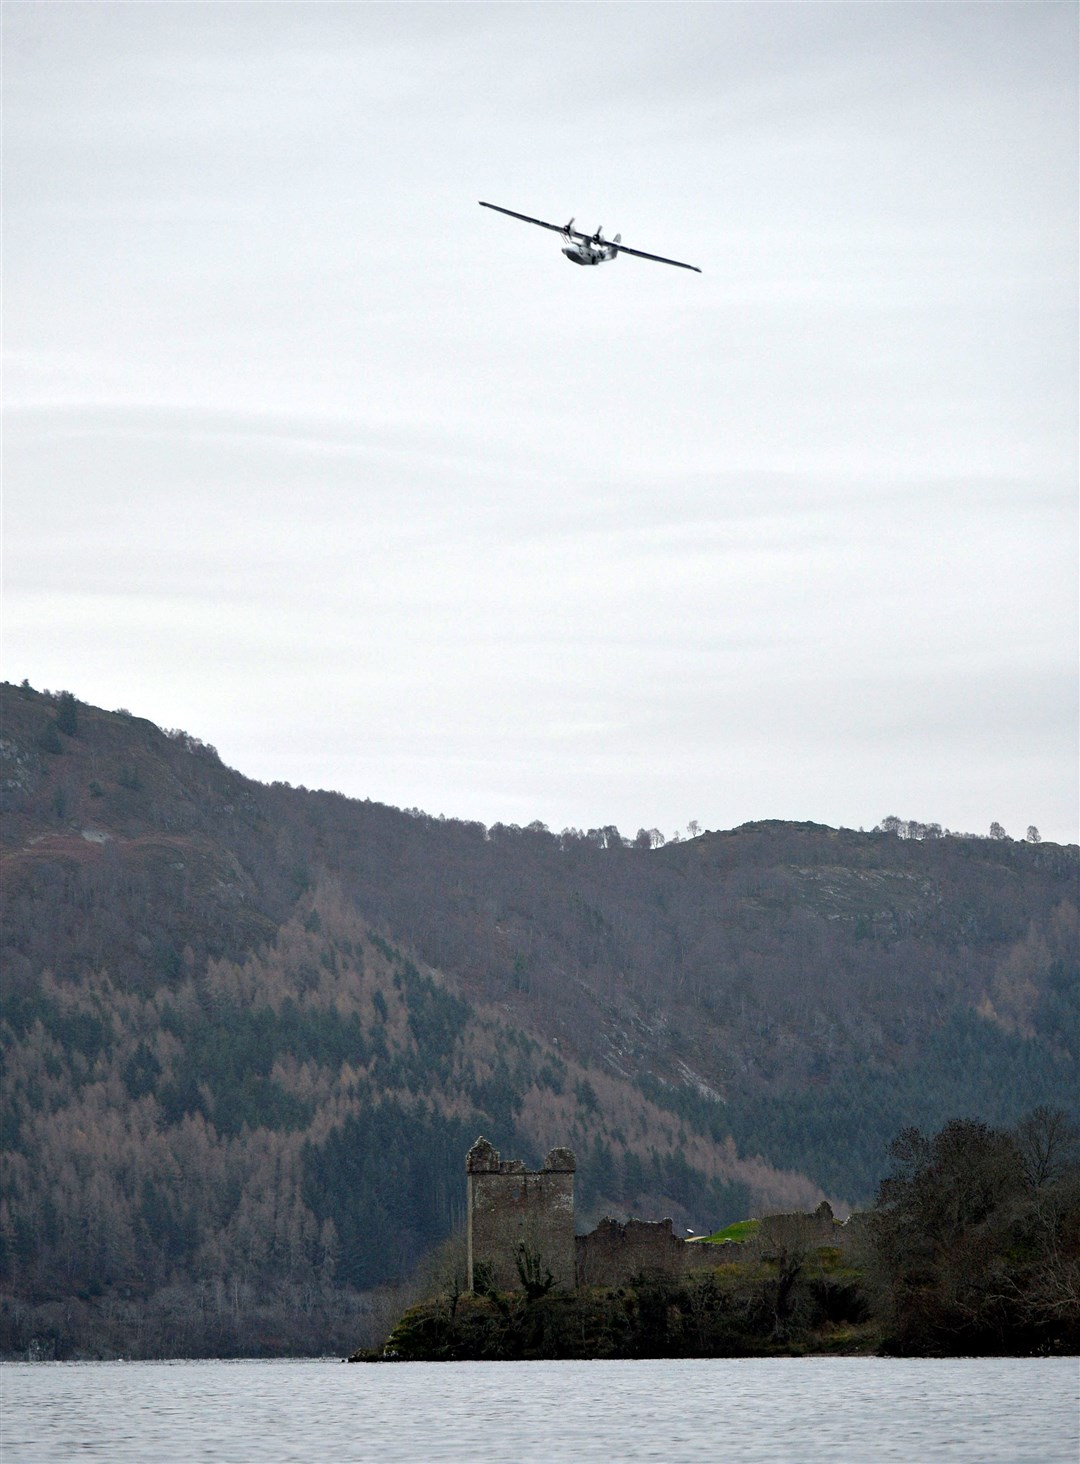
(1049, 1144)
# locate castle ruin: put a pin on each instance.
(517, 1215)
(514, 1212)
(617, 1251)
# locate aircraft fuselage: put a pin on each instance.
(589, 252)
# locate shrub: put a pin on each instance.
(67, 715)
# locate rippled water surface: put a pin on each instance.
(1001, 1411)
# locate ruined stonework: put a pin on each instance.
(514, 1212)
(509, 1206)
(618, 1251)
(803, 1229)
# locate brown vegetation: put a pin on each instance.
(227, 1007)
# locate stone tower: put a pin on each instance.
(509, 1206)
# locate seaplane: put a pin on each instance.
(582, 248)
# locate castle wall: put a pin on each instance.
(803, 1229)
(617, 1251)
(509, 1207)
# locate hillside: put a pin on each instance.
(249, 1031)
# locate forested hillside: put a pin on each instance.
(249, 1031)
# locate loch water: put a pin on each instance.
(738, 1411)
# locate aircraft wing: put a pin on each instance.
(659, 258)
(555, 228)
(577, 234)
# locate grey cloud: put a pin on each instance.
(288, 412)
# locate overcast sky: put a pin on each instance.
(368, 486)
